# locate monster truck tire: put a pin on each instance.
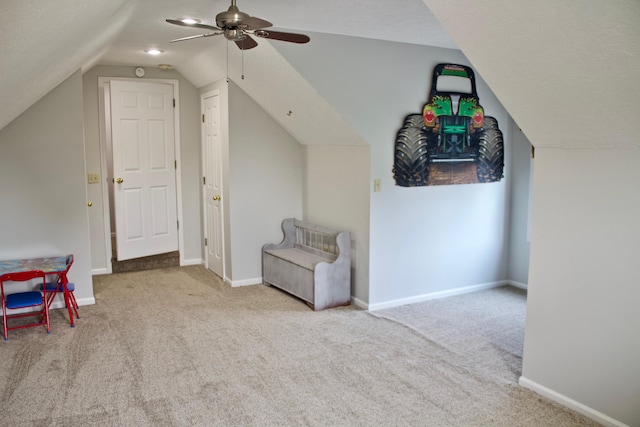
(414, 120)
(489, 123)
(411, 166)
(490, 161)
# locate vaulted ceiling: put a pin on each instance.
(42, 43)
(551, 64)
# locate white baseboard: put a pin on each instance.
(436, 295)
(99, 271)
(359, 303)
(518, 284)
(246, 282)
(570, 403)
(86, 301)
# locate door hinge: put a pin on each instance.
(175, 164)
(204, 180)
(174, 103)
(203, 118)
(206, 242)
(178, 225)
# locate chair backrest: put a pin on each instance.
(21, 276)
(69, 261)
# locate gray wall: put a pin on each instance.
(336, 195)
(190, 167)
(520, 217)
(264, 181)
(422, 240)
(44, 204)
(581, 340)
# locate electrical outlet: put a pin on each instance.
(94, 178)
(376, 185)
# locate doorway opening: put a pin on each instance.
(169, 259)
(140, 158)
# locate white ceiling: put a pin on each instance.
(42, 43)
(407, 21)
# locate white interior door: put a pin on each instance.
(212, 193)
(144, 168)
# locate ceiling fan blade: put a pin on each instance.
(256, 23)
(194, 37)
(285, 37)
(182, 24)
(246, 43)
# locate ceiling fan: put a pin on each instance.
(238, 27)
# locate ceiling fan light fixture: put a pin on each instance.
(234, 34)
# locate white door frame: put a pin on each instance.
(204, 96)
(105, 135)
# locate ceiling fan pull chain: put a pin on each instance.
(227, 62)
(242, 61)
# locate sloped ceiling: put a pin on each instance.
(44, 42)
(566, 71)
(549, 63)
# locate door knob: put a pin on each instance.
(216, 198)
(119, 180)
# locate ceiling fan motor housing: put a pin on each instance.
(231, 18)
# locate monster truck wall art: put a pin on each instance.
(452, 132)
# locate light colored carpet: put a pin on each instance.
(176, 347)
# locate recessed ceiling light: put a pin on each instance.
(190, 21)
(154, 51)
